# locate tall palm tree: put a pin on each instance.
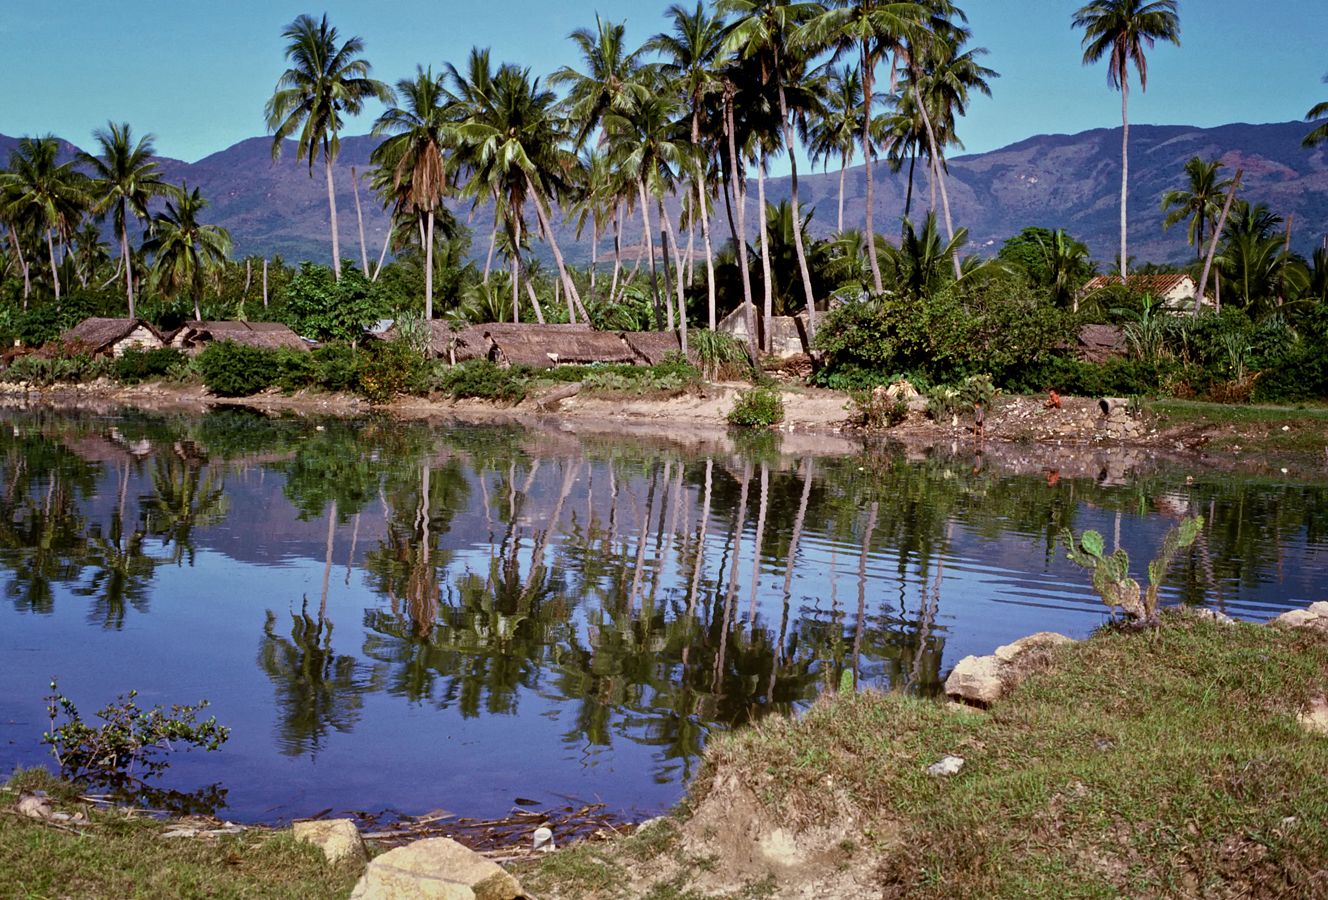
(940, 75)
(609, 81)
(326, 79)
(185, 250)
(692, 51)
(125, 177)
(763, 30)
(1320, 134)
(512, 140)
(835, 132)
(44, 194)
(873, 29)
(1200, 201)
(1121, 30)
(419, 129)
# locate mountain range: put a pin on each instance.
(1066, 181)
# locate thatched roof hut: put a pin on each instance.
(265, 335)
(112, 337)
(545, 346)
(651, 347)
(1099, 343)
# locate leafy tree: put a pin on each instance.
(321, 307)
(326, 78)
(125, 177)
(1120, 30)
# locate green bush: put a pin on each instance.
(757, 407)
(1113, 378)
(390, 368)
(235, 370)
(295, 370)
(321, 307)
(873, 409)
(136, 366)
(483, 380)
(336, 367)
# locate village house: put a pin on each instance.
(1175, 291)
(194, 336)
(112, 337)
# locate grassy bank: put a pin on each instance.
(1233, 428)
(1161, 764)
(115, 855)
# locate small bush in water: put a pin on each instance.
(757, 407)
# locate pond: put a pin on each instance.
(406, 617)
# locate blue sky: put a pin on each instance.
(196, 73)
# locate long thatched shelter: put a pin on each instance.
(111, 337)
(194, 336)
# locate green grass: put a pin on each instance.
(1150, 764)
(1249, 428)
(117, 856)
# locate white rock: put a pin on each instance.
(976, 679)
(1320, 609)
(338, 839)
(1010, 651)
(34, 806)
(1212, 615)
(438, 869)
(1297, 618)
(948, 766)
(1315, 719)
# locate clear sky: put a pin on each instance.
(196, 73)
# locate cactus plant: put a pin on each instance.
(1111, 572)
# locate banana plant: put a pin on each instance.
(1111, 572)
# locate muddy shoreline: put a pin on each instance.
(1022, 435)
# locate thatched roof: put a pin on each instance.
(1099, 343)
(544, 346)
(651, 347)
(97, 334)
(265, 335)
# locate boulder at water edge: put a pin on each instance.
(437, 869)
(338, 838)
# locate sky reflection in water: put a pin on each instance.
(408, 617)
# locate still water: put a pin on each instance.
(406, 617)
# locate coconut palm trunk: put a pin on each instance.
(938, 176)
(677, 277)
(767, 275)
(650, 248)
(738, 184)
(55, 274)
(547, 227)
(703, 210)
(843, 173)
(617, 251)
(359, 219)
(332, 212)
(668, 252)
(867, 159)
(428, 264)
(22, 264)
(128, 263)
(1125, 172)
(803, 270)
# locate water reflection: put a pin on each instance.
(603, 604)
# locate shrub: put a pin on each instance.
(130, 737)
(876, 409)
(42, 370)
(235, 370)
(390, 368)
(321, 307)
(757, 407)
(335, 367)
(1113, 378)
(721, 354)
(295, 370)
(483, 380)
(136, 366)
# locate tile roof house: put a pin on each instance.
(1174, 290)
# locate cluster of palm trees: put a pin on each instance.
(668, 132)
(52, 204)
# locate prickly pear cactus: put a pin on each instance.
(1111, 572)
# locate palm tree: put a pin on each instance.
(762, 30)
(1200, 202)
(1120, 30)
(419, 129)
(512, 141)
(872, 29)
(125, 177)
(44, 194)
(324, 81)
(609, 82)
(1320, 134)
(1067, 265)
(692, 52)
(835, 131)
(941, 74)
(184, 249)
